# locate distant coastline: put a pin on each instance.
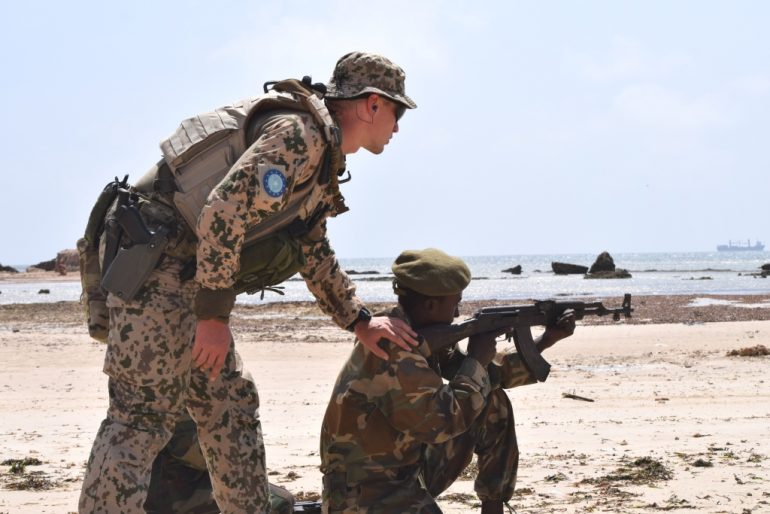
(660, 274)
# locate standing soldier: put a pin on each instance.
(238, 203)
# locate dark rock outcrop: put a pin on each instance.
(68, 260)
(516, 270)
(618, 273)
(8, 269)
(604, 267)
(766, 267)
(564, 268)
(759, 274)
(45, 266)
(603, 262)
(65, 260)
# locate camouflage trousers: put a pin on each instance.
(180, 482)
(151, 382)
(492, 437)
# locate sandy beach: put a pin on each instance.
(674, 422)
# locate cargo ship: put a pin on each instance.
(740, 246)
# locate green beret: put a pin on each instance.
(430, 272)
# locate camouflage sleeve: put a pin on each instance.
(417, 402)
(506, 371)
(450, 359)
(512, 372)
(288, 149)
(331, 286)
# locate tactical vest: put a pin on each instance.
(204, 148)
(196, 157)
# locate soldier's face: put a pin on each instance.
(445, 308)
(384, 124)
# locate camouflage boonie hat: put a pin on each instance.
(430, 272)
(359, 73)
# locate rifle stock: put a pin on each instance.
(515, 322)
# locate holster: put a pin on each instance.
(132, 266)
(134, 263)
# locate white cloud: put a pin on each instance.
(656, 107)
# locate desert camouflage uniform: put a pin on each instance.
(395, 435)
(293, 144)
(180, 480)
(148, 359)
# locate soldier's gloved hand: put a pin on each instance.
(212, 342)
(381, 327)
(483, 347)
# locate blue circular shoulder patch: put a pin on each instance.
(275, 183)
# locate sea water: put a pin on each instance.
(698, 273)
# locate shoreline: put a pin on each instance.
(648, 309)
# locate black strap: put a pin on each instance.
(306, 81)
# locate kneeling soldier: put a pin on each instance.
(395, 435)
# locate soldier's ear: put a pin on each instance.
(373, 101)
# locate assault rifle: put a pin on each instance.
(515, 322)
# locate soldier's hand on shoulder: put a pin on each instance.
(369, 333)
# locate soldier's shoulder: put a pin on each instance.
(298, 120)
(298, 129)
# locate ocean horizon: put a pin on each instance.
(662, 273)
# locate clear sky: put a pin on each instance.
(542, 127)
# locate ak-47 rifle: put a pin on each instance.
(515, 322)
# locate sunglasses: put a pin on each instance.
(400, 110)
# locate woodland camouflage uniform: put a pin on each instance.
(180, 480)
(392, 426)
